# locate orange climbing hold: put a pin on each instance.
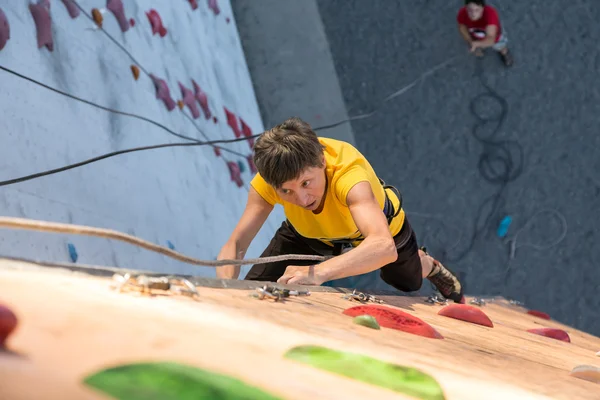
(180, 104)
(393, 318)
(4, 29)
(538, 314)
(467, 313)
(156, 23)
(553, 333)
(135, 71)
(43, 23)
(97, 17)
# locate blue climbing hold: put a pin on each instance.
(503, 227)
(72, 252)
(242, 166)
(171, 245)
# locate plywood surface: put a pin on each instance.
(72, 324)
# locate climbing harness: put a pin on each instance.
(342, 245)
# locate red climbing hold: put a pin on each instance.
(156, 23)
(251, 163)
(236, 174)
(467, 313)
(538, 314)
(131, 22)
(72, 8)
(43, 23)
(189, 100)
(163, 92)
(116, 7)
(393, 318)
(215, 120)
(202, 99)
(193, 3)
(217, 151)
(4, 29)
(8, 323)
(212, 4)
(247, 132)
(232, 122)
(553, 333)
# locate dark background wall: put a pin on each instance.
(423, 141)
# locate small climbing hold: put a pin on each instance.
(393, 318)
(97, 17)
(251, 163)
(217, 151)
(215, 120)
(171, 245)
(212, 4)
(241, 166)
(538, 314)
(598, 354)
(72, 8)
(43, 23)
(189, 100)
(503, 226)
(467, 313)
(227, 19)
(8, 323)
(247, 131)
(135, 71)
(180, 104)
(4, 29)
(163, 92)
(202, 99)
(131, 22)
(232, 122)
(553, 333)
(235, 174)
(72, 252)
(193, 3)
(116, 7)
(156, 23)
(366, 320)
(586, 372)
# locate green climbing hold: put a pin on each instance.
(169, 380)
(366, 320)
(406, 380)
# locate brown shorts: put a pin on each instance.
(404, 274)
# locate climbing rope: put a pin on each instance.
(44, 226)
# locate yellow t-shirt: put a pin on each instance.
(346, 166)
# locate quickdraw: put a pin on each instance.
(277, 293)
(146, 284)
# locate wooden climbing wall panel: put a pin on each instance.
(73, 324)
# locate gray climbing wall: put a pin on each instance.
(181, 195)
(423, 140)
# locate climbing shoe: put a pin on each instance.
(507, 58)
(445, 281)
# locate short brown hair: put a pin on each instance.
(283, 152)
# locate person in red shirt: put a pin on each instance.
(479, 25)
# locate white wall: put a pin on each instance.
(179, 194)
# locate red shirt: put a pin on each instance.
(477, 28)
